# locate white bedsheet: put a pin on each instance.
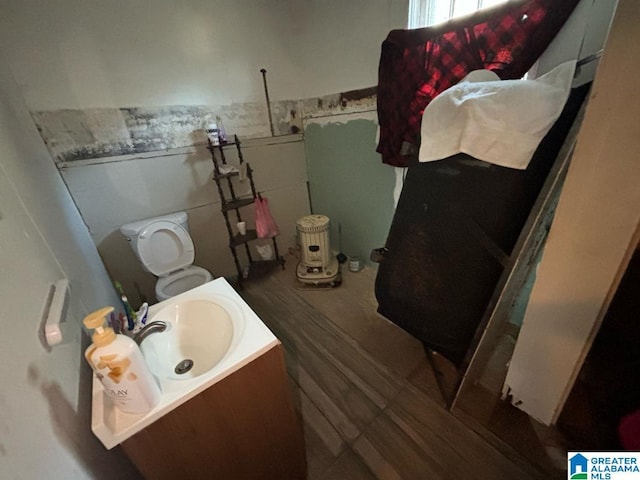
(500, 122)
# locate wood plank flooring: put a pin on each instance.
(369, 401)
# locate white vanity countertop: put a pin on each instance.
(113, 427)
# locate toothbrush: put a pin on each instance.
(115, 322)
(142, 313)
(131, 315)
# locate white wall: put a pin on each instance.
(583, 34)
(123, 53)
(338, 42)
(44, 419)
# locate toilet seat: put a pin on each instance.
(165, 247)
(181, 281)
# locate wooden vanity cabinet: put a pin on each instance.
(243, 427)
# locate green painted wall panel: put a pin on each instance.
(349, 183)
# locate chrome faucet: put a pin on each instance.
(153, 327)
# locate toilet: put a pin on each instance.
(164, 247)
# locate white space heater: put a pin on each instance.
(317, 266)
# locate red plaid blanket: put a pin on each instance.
(416, 65)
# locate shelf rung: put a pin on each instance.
(222, 144)
(225, 175)
(259, 268)
(242, 239)
(239, 202)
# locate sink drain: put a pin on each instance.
(184, 366)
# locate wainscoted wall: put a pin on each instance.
(117, 190)
(114, 190)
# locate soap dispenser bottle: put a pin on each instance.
(120, 366)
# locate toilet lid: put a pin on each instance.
(164, 247)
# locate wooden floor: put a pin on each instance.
(368, 398)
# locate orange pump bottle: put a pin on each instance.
(118, 363)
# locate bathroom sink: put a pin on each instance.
(210, 325)
(199, 334)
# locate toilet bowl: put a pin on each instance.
(181, 281)
(165, 248)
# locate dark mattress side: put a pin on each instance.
(442, 265)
